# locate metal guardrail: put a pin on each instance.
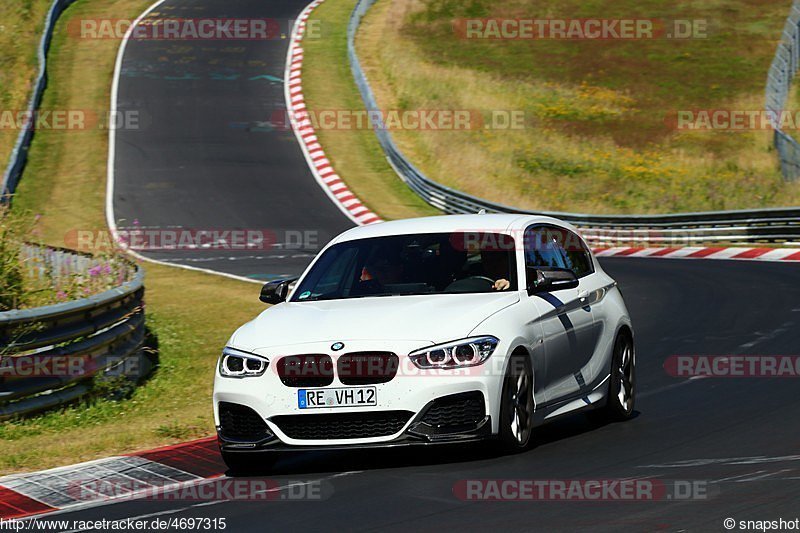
(104, 333)
(74, 343)
(19, 155)
(780, 226)
(779, 83)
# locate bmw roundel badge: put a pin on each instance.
(336, 346)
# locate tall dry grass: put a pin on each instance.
(579, 149)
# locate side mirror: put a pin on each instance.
(551, 279)
(276, 291)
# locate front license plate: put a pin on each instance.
(343, 397)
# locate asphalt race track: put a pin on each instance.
(211, 148)
(197, 166)
(740, 436)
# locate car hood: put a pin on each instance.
(432, 318)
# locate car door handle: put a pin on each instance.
(583, 297)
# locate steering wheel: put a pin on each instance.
(488, 280)
(471, 284)
(369, 286)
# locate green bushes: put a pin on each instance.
(32, 275)
(12, 283)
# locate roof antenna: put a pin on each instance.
(482, 212)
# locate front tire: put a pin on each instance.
(516, 405)
(622, 388)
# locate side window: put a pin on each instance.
(554, 247)
(542, 249)
(578, 257)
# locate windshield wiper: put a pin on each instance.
(381, 294)
(323, 298)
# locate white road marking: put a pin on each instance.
(763, 476)
(753, 460)
(112, 143)
(732, 478)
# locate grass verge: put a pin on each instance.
(21, 26)
(192, 314)
(598, 134)
(355, 153)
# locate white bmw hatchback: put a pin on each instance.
(434, 330)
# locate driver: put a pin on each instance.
(495, 266)
(382, 270)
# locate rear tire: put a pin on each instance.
(516, 405)
(622, 388)
(244, 463)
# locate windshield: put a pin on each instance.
(433, 263)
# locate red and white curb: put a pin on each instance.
(699, 252)
(129, 476)
(318, 162)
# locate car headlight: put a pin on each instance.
(238, 364)
(456, 354)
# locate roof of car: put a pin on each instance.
(488, 223)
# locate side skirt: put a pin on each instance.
(596, 398)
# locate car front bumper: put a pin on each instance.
(481, 433)
(412, 391)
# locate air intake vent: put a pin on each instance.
(456, 412)
(342, 426)
(241, 423)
